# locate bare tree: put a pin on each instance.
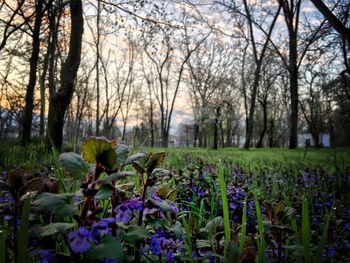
(60, 98)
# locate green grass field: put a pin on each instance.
(272, 205)
(274, 159)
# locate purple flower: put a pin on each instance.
(124, 211)
(331, 251)
(233, 205)
(162, 243)
(174, 209)
(47, 255)
(101, 228)
(79, 240)
(155, 245)
(170, 256)
(346, 244)
(347, 226)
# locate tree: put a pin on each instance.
(169, 63)
(60, 99)
(28, 111)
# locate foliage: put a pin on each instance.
(121, 207)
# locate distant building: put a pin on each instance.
(324, 139)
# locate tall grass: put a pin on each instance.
(23, 233)
(225, 210)
(305, 230)
(261, 239)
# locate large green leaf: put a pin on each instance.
(74, 164)
(122, 152)
(135, 233)
(114, 176)
(99, 150)
(104, 193)
(59, 204)
(109, 248)
(136, 157)
(51, 229)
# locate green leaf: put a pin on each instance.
(289, 214)
(122, 152)
(136, 157)
(74, 165)
(99, 150)
(51, 229)
(154, 161)
(135, 233)
(114, 176)
(59, 204)
(176, 228)
(160, 172)
(109, 248)
(104, 193)
(22, 236)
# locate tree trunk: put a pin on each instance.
(271, 133)
(250, 120)
(42, 94)
(59, 101)
(29, 100)
(262, 134)
(293, 78)
(195, 134)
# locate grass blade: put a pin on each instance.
(3, 236)
(261, 248)
(188, 240)
(225, 208)
(323, 239)
(305, 230)
(244, 226)
(22, 237)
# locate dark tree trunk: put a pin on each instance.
(165, 137)
(195, 134)
(151, 123)
(60, 100)
(29, 100)
(271, 133)
(262, 134)
(42, 94)
(250, 120)
(293, 78)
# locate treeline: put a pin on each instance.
(264, 71)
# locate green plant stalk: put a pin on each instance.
(244, 227)
(305, 230)
(188, 243)
(261, 248)
(22, 237)
(3, 236)
(225, 209)
(58, 170)
(323, 239)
